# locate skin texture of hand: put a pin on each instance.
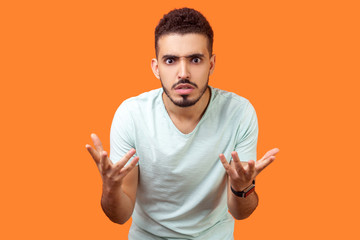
(111, 174)
(240, 174)
(119, 182)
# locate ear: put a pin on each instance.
(155, 67)
(212, 63)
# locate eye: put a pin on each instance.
(169, 61)
(196, 60)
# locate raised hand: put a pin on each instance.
(111, 174)
(240, 174)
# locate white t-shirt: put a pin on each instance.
(182, 185)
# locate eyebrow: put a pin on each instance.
(195, 55)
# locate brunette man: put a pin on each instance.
(195, 145)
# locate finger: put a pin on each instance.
(120, 164)
(230, 170)
(97, 142)
(130, 166)
(263, 164)
(224, 162)
(238, 166)
(94, 154)
(251, 169)
(104, 161)
(270, 153)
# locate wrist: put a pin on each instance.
(245, 192)
(241, 187)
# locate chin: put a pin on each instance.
(185, 101)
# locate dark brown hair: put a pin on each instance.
(182, 21)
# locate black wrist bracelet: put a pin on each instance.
(246, 192)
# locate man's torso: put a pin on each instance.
(182, 184)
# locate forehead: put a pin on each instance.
(183, 44)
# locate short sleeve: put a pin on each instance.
(247, 134)
(121, 133)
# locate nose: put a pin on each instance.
(184, 72)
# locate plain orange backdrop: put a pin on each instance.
(65, 66)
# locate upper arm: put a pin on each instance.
(122, 131)
(121, 141)
(247, 134)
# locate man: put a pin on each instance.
(181, 183)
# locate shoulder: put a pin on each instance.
(135, 109)
(146, 97)
(230, 102)
(143, 101)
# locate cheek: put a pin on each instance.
(200, 73)
(166, 73)
(166, 78)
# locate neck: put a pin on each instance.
(192, 113)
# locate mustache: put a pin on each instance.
(183, 81)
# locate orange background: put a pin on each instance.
(67, 65)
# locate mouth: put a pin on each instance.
(184, 86)
(184, 89)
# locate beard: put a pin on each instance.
(185, 101)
